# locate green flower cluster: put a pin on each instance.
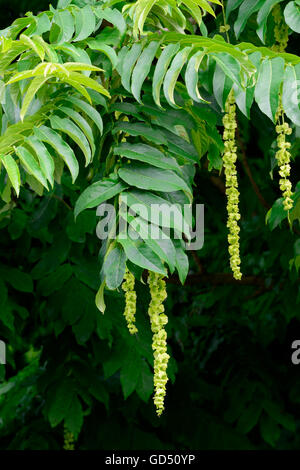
(130, 301)
(225, 28)
(159, 342)
(281, 30)
(283, 158)
(69, 441)
(232, 192)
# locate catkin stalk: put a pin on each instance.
(232, 192)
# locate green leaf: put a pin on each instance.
(69, 128)
(180, 147)
(86, 324)
(12, 171)
(115, 359)
(130, 373)
(18, 25)
(276, 214)
(85, 223)
(60, 146)
(206, 6)
(113, 16)
(161, 68)
(114, 267)
(61, 399)
(98, 391)
(9, 56)
(146, 153)
(262, 17)
(26, 74)
(267, 89)
(43, 21)
(81, 122)
(36, 47)
(232, 5)
(154, 237)
(249, 418)
(222, 85)
(99, 299)
(173, 74)
(230, 66)
(49, 50)
(244, 98)
(30, 163)
(182, 261)
(269, 430)
(18, 279)
(78, 66)
(142, 11)
(45, 160)
(63, 3)
(34, 184)
(88, 110)
(292, 16)
(144, 387)
(194, 9)
(55, 281)
(98, 45)
(84, 23)
(79, 88)
(214, 157)
(142, 69)
(62, 28)
(74, 416)
(247, 8)
(77, 54)
(275, 411)
(147, 177)
(128, 63)
(141, 129)
(98, 193)
(75, 301)
(85, 81)
(191, 76)
(149, 206)
(34, 86)
(290, 93)
(140, 254)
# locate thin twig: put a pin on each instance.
(197, 260)
(64, 202)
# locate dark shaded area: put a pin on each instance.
(233, 385)
(9, 11)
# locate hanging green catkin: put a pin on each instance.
(232, 192)
(281, 30)
(130, 301)
(283, 158)
(159, 341)
(69, 440)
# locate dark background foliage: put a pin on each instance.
(14, 8)
(233, 385)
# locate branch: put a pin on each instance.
(62, 201)
(198, 262)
